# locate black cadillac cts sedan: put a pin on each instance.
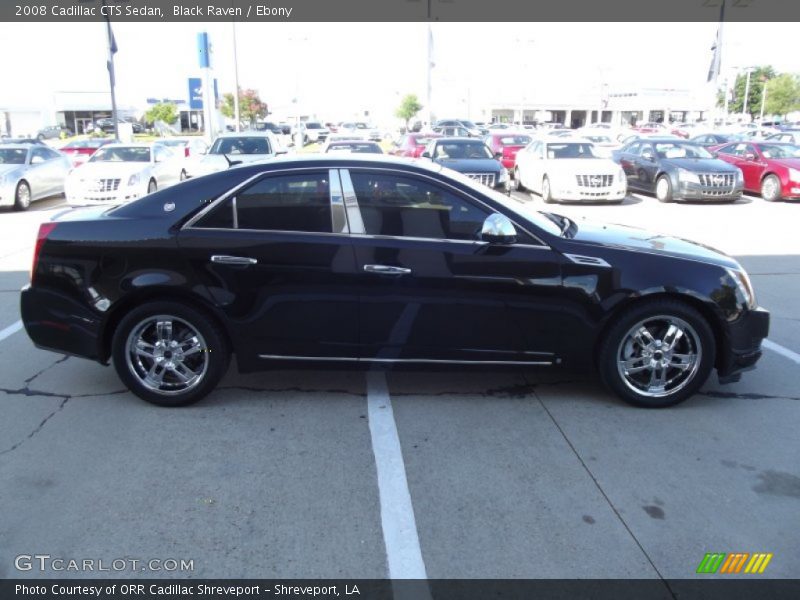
(328, 261)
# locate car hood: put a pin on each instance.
(599, 166)
(471, 165)
(699, 165)
(640, 240)
(98, 170)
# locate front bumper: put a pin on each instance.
(744, 337)
(687, 190)
(82, 196)
(612, 194)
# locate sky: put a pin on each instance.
(338, 70)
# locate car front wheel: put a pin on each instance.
(658, 354)
(771, 188)
(547, 194)
(169, 354)
(664, 189)
(22, 196)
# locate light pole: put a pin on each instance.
(236, 115)
(746, 90)
(763, 100)
(522, 48)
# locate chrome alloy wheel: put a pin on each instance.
(168, 355)
(659, 356)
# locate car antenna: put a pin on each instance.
(231, 163)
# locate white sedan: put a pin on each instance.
(235, 148)
(119, 173)
(30, 172)
(568, 170)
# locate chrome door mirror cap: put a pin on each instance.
(498, 229)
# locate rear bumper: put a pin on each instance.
(744, 336)
(57, 322)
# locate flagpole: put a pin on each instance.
(429, 69)
(112, 48)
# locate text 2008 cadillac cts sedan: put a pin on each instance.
(330, 261)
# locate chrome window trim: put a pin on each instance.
(548, 363)
(454, 189)
(352, 210)
(351, 204)
(338, 216)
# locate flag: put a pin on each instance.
(716, 57)
(431, 62)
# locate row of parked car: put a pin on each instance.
(557, 164)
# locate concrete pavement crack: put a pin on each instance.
(47, 368)
(745, 396)
(38, 428)
(603, 493)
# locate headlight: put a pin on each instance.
(134, 179)
(503, 177)
(745, 287)
(740, 175)
(794, 174)
(621, 176)
(688, 176)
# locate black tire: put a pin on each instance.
(771, 188)
(615, 344)
(547, 194)
(517, 183)
(183, 175)
(214, 351)
(664, 189)
(152, 186)
(22, 196)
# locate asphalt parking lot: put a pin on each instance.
(448, 474)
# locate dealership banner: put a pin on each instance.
(418, 589)
(398, 10)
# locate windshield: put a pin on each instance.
(422, 141)
(313, 126)
(570, 150)
(240, 145)
(515, 140)
(469, 124)
(780, 151)
(172, 143)
(122, 154)
(678, 150)
(462, 150)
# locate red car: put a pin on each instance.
(507, 145)
(413, 144)
(649, 127)
(80, 150)
(769, 168)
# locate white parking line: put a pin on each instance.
(785, 352)
(10, 330)
(403, 552)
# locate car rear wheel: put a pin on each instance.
(169, 354)
(771, 188)
(664, 189)
(547, 194)
(151, 186)
(657, 354)
(22, 197)
(517, 183)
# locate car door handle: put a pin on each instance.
(233, 260)
(387, 270)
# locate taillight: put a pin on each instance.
(186, 151)
(44, 230)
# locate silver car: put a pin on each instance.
(30, 172)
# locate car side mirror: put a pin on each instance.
(426, 155)
(749, 156)
(281, 151)
(713, 153)
(648, 157)
(498, 155)
(498, 229)
(37, 160)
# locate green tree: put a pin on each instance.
(251, 107)
(166, 112)
(408, 109)
(758, 78)
(783, 94)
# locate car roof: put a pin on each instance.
(325, 160)
(457, 139)
(17, 146)
(248, 133)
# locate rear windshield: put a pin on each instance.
(122, 154)
(240, 145)
(13, 156)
